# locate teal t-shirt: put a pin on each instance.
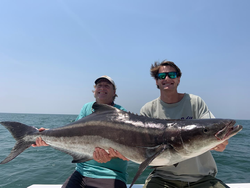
(114, 169)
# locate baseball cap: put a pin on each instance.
(107, 78)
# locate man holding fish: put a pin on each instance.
(195, 172)
(107, 170)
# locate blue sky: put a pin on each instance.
(52, 51)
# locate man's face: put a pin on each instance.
(167, 83)
(104, 92)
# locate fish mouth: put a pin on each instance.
(228, 131)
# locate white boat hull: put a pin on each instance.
(231, 185)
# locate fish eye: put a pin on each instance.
(205, 130)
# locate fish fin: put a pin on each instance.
(82, 159)
(18, 131)
(145, 163)
(103, 107)
(18, 148)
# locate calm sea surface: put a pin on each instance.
(45, 165)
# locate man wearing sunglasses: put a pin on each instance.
(197, 172)
(107, 170)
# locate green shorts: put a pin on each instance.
(206, 182)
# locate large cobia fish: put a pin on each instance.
(143, 140)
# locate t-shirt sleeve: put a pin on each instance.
(207, 115)
(203, 111)
(81, 114)
(145, 110)
(86, 110)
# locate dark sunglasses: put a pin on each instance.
(163, 75)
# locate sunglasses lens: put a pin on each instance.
(172, 75)
(162, 75)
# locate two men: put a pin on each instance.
(107, 168)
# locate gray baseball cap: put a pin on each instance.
(107, 78)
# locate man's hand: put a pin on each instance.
(221, 147)
(115, 153)
(101, 156)
(39, 141)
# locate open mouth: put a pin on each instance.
(228, 131)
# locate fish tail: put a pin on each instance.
(18, 131)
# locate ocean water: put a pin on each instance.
(45, 165)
